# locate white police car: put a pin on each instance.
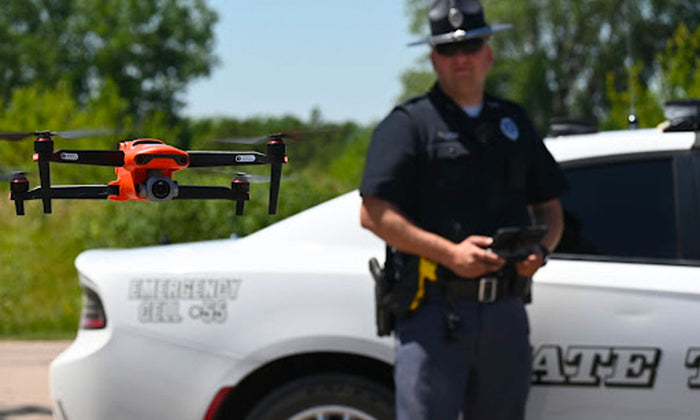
(280, 324)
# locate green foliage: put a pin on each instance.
(416, 81)
(150, 49)
(529, 86)
(680, 65)
(417, 11)
(679, 79)
(632, 96)
(39, 296)
(35, 108)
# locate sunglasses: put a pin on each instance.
(467, 47)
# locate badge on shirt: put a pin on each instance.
(509, 128)
(448, 135)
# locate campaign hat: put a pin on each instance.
(458, 21)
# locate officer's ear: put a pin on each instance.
(489, 56)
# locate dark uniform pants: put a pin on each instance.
(481, 369)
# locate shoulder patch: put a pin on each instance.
(509, 128)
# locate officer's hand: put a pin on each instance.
(473, 259)
(529, 266)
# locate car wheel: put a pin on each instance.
(327, 396)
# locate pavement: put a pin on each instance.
(24, 378)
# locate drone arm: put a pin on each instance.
(277, 156)
(88, 192)
(69, 191)
(43, 148)
(239, 192)
(201, 159)
(89, 157)
(20, 192)
(202, 192)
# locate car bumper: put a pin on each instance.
(137, 377)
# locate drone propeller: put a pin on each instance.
(252, 178)
(8, 172)
(8, 176)
(290, 135)
(70, 134)
(254, 140)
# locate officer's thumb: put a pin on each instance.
(480, 241)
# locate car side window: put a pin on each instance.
(622, 210)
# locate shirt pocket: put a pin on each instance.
(515, 174)
(451, 164)
(450, 150)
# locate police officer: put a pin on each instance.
(444, 171)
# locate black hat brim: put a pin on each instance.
(460, 35)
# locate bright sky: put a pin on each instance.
(288, 56)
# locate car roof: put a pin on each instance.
(622, 142)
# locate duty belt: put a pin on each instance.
(484, 289)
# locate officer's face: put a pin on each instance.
(462, 75)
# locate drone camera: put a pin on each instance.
(159, 188)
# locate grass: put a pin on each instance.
(39, 293)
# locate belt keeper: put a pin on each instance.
(488, 289)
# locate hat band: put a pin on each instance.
(462, 35)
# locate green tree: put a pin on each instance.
(149, 48)
(680, 65)
(678, 78)
(631, 98)
(556, 57)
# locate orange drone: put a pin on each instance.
(144, 169)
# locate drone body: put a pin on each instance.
(144, 169)
(148, 169)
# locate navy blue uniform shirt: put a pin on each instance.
(458, 176)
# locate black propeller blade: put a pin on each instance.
(70, 134)
(7, 176)
(289, 135)
(252, 178)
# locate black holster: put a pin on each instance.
(394, 288)
(384, 281)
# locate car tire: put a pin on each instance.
(327, 396)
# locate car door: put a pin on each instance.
(615, 312)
